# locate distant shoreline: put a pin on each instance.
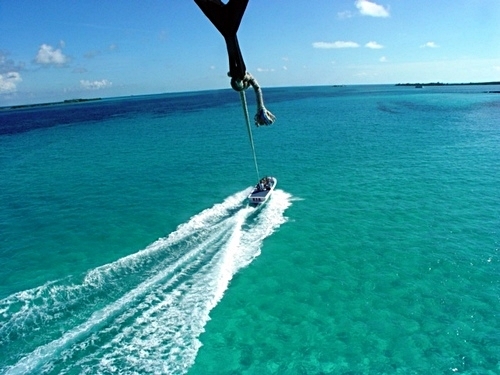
(448, 84)
(68, 101)
(417, 85)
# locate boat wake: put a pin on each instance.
(144, 312)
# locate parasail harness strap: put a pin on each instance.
(227, 18)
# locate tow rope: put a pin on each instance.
(262, 117)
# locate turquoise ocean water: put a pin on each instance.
(127, 247)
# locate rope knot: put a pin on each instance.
(239, 85)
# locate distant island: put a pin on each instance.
(447, 84)
(69, 101)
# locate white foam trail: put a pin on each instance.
(154, 326)
(26, 309)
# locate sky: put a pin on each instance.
(54, 50)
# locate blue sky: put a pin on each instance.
(53, 50)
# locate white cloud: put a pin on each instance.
(344, 14)
(285, 67)
(47, 55)
(9, 81)
(429, 45)
(8, 65)
(95, 85)
(80, 70)
(265, 70)
(163, 35)
(367, 8)
(337, 44)
(374, 45)
(91, 54)
(383, 59)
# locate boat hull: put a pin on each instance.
(262, 191)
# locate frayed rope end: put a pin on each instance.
(264, 117)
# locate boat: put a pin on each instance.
(262, 191)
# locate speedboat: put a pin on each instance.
(262, 191)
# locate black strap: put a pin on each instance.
(227, 18)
